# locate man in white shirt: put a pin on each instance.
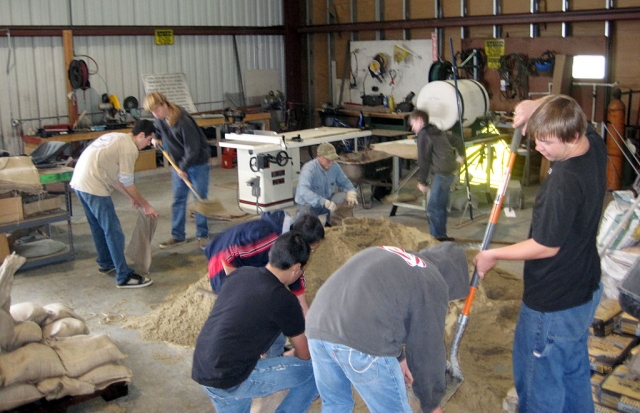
(108, 163)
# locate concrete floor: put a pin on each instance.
(161, 372)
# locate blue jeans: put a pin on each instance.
(277, 347)
(199, 177)
(550, 359)
(269, 376)
(438, 203)
(107, 233)
(378, 380)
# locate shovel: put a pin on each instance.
(205, 207)
(454, 374)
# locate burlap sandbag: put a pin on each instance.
(64, 327)
(28, 312)
(57, 311)
(80, 354)
(24, 333)
(18, 395)
(58, 387)
(6, 331)
(107, 374)
(33, 362)
(9, 266)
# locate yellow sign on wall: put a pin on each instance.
(164, 37)
(494, 49)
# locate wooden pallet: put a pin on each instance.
(112, 392)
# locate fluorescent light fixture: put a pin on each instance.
(588, 67)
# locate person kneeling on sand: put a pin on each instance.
(229, 362)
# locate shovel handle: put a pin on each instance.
(186, 181)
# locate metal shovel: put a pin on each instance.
(454, 374)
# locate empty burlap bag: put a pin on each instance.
(6, 331)
(79, 354)
(107, 374)
(64, 327)
(7, 270)
(28, 312)
(24, 333)
(58, 387)
(33, 362)
(18, 395)
(57, 311)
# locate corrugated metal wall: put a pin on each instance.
(32, 78)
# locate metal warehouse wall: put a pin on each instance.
(32, 81)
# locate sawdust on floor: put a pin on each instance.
(485, 349)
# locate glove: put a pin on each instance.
(352, 199)
(330, 205)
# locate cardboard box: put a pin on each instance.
(629, 325)
(146, 160)
(621, 391)
(607, 352)
(606, 317)
(4, 247)
(38, 204)
(11, 210)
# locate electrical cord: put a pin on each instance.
(514, 77)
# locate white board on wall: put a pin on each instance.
(412, 73)
(173, 85)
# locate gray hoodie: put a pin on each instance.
(383, 298)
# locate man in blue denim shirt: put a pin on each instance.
(323, 188)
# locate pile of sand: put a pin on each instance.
(485, 349)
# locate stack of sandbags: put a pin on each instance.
(47, 352)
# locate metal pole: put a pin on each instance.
(534, 29)
(439, 30)
(497, 10)
(464, 31)
(566, 27)
(406, 34)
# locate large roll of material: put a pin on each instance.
(438, 99)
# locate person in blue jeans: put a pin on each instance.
(384, 299)
(253, 307)
(187, 145)
(436, 156)
(106, 164)
(562, 285)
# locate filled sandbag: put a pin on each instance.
(24, 333)
(80, 354)
(59, 387)
(64, 327)
(28, 312)
(107, 374)
(31, 363)
(57, 311)
(6, 331)
(18, 395)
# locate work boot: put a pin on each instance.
(203, 242)
(171, 242)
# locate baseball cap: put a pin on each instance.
(328, 151)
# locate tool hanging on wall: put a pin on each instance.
(377, 67)
(78, 74)
(392, 74)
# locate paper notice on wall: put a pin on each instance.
(494, 49)
(173, 85)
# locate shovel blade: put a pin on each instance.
(453, 383)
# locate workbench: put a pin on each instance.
(407, 149)
(374, 119)
(61, 174)
(204, 121)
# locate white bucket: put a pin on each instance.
(438, 99)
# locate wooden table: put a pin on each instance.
(32, 142)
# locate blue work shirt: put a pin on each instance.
(315, 185)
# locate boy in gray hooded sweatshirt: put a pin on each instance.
(378, 301)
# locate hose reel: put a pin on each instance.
(78, 74)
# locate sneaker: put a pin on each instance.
(203, 242)
(136, 281)
(107, 271)
(171, 242)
